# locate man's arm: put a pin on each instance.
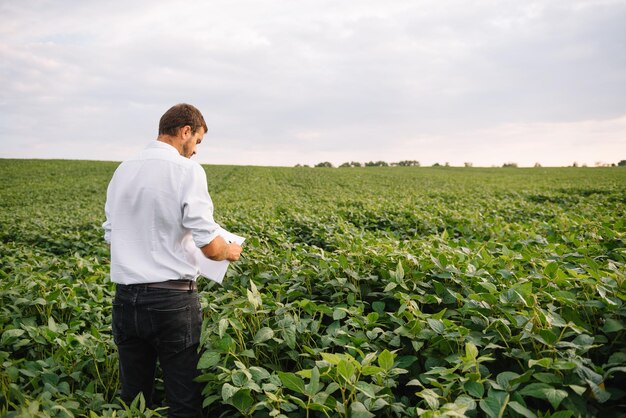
(218, 249)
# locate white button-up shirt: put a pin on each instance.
(154, 201)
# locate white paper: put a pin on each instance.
(214, 270)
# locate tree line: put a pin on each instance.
(414, 163)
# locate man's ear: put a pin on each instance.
(185, 132)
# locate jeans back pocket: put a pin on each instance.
(173, 328)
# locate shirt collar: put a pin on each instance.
(162, 145)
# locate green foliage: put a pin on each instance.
(362, 292)
(376, 164)
(407, 163)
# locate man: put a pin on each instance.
(155, 200)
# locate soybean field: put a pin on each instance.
(361, 292)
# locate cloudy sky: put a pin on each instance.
(284, 82)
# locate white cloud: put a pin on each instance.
(295, 82)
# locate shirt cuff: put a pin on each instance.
(205, 238)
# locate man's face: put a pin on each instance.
(190, 141)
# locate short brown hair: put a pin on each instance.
(180, 115)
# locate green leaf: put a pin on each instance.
(471, 352)
(259, 373)
(504, 379)
(523, 378)
(405, 361)
(289, 335)
(331, 388)
(547, 337)
(314, 383)
(239, 378)
(371, 370)
(609, 372)
(476, 389)
(292, 381)
(228, 391)
(495, 404)
(378, 306)
(52, 325)
(415, 382)
(612, 325)
(522, 410)
(339, 313)
(223, 326)
(346, 369)
(564, 365)
(548, 378)
(598, 392)
(545, 391)
(254, 296)
(318, 406)
(11, 333)
(298, 401)
(436, 325)
(372, 317)
(226, 343)
(248, 353)
(390, 286)
(331, 358)
(489, 287)
(385, 360)
(536, 390)
(264, 334)
(368, 359)
(242, 400)
(578, 389)
(358, 410)
(431, 398)
(545, 362)
(551, 269)
(367, 389)
(208, 359)
(465, 402)
(399, 271)
(617, 359)
(207, 400)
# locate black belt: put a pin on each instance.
(187, 285)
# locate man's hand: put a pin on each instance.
(219, 250)
(234, 251)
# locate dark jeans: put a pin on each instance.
(163, 324)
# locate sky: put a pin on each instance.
(284, 82)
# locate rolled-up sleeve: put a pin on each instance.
(107, 223)
(197, 207)
(107, 231)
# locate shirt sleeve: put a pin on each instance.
(197, 207)
(107, 223)
(107, 230)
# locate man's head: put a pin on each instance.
(182, 126)
(181, 115)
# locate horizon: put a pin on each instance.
(391, 164)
